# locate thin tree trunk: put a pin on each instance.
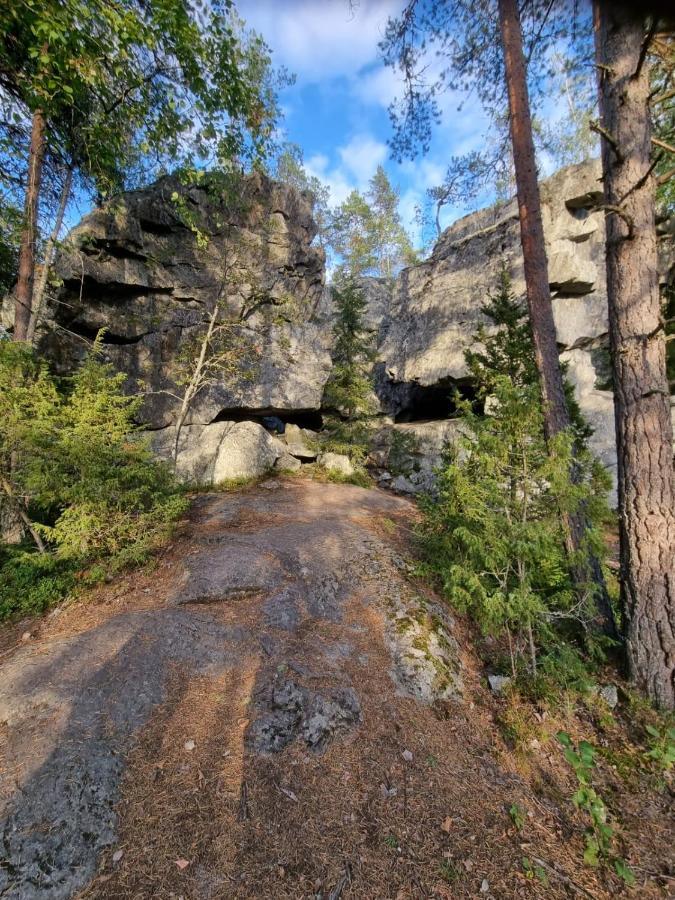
(556, 414)
(23, 515)
(41, 285)
(195, 383)
(637, 340)
(24, 287)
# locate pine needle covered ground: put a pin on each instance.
(132, 735)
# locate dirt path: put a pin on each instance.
(275, 711)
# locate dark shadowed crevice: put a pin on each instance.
(108, 337)
(112, 290)
(433, 402)
(152, 226)
(409, 401)
(304, 418)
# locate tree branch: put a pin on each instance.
(611, 140)
(648, 38)
(657, 142)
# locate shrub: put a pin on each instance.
(76, 472)
(493, 532)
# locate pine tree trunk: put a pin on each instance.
(24, 286)
(637, 340)
(556, 414)
(40, 286)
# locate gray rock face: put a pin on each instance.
(435, 306)
(297, 712)
(409, 452)
(150, 269)
(222, 451)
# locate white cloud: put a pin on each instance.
(379, 86)
(361, 156)
(319, 39)
(336, 180)
(358, 160)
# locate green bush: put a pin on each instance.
(31, 582)
(73, 468)
(493, 532)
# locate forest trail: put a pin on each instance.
(237, 722)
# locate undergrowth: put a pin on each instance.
(77, 478)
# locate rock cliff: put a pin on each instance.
(151, 265)
(436, 306)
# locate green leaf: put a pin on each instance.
(624, 871)
(592, 851)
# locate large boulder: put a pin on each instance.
(222, 451)
(149, 267)
(436, 306)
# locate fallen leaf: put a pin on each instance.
(117, 855)
(182, 863)
(189, 745)
(446, 825)
(289, 794)
(468, 865)
(485, 886)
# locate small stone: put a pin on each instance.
(272, 485)
(485, 887)
(407, 756)
(26, 636)
(336, 462)
(189, 746)
(498, 683)
(117, 855)
(610, 695)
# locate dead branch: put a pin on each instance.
(611, 140)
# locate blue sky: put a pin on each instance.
(337, 108)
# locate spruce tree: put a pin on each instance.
(493, 532)
(349, 387)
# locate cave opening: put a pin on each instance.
(307, 418)
(430, 403)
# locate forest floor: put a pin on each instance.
(230, 723)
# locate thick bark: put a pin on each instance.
(641, 399)
(556, 414)
(24, 286)
(41, 284)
